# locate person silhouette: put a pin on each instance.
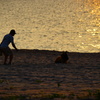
(4, 46)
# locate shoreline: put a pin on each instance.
(52, 50)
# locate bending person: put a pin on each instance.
(4, 46)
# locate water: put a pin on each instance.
(62, 25)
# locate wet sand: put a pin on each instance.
(34, 73)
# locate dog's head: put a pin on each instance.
(64, 55)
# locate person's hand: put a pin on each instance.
(16, 49)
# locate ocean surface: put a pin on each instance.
(62, 25)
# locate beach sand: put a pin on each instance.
(33, 73)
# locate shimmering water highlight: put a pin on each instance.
(62, 25)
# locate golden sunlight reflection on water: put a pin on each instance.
(72, 25)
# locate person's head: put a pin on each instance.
(12, 32)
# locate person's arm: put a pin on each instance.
(13, 44)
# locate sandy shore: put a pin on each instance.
(34, 73)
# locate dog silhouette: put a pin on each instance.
(63, 58)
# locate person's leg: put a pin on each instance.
(10, 55)
(5, 59)
(4, 51)
(10, 59)
(0, 52)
